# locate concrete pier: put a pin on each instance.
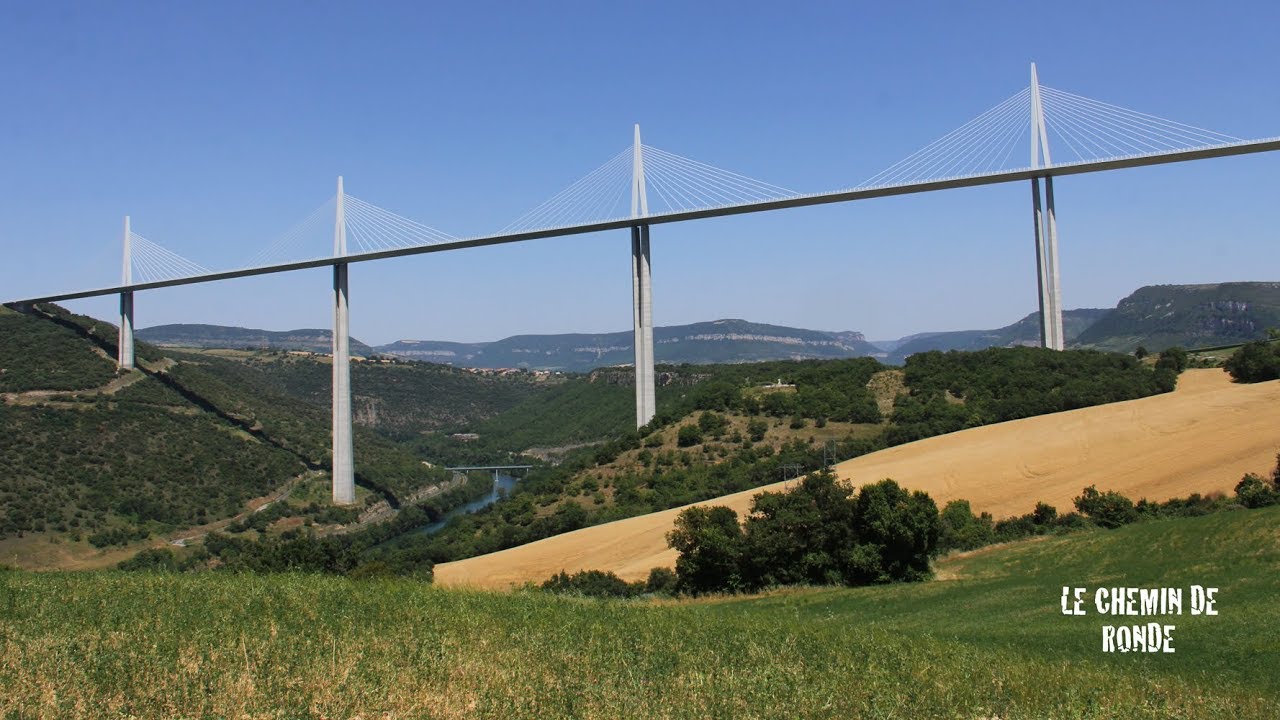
(641, 290)
(642, 296)
(344, 487)
(124, 344)
(1046, 228)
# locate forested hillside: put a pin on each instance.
(1160, 316)
(401, 399)
(181, 441)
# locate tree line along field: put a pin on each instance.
(987, 640)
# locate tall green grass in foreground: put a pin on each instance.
(987, 640)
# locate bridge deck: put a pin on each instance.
(823, 198)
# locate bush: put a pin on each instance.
(712, 423)
(689, 435)
(1174, 358)
(960, 529)
(1108, 510)
(1254, 492)
(591, 583)
(154, 559)
(662, 581)
(1255, 362)
(709, 541)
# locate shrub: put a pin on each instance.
(709, 541)
(1108, 510)
(960, 529)
(689, 435)
(1174, 358)
(662, 581)
(1255, 362)
(1254, 492)
(591, 583)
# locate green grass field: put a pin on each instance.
(986, 640)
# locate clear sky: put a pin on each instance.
(218, 126)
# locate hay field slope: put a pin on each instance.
(1200, 438)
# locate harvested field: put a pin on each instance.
(1200, 438)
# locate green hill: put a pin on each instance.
(402, 399)
(987, 641)
(184, 440)
(1160, 316)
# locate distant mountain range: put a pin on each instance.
(221, 336)
(1024, 332)
(1154, 317)
(720, 341)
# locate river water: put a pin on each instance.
(502, 486)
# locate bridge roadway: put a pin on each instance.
(822, 198)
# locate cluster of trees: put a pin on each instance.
(1255, 362)
(127, 466)
(302, 550)
(819, 533)
(962, 530)
(824, 390)
(29, 341)
(1255, 491)
(955, 390)
(312, 512)
(601, 584)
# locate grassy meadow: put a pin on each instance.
(984, 640)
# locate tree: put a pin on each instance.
(798, 536)
(1254, 362)
(590, 583)
(689, 435)
(756, 429)
(1141, 352)
(1174, 358)
(661, 581)
(896, 533)
(712, 424)
(1109, 509)
(960, 529)
(1254, 492)
(709, 541)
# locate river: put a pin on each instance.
(502, 485)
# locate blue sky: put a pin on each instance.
(218, 126)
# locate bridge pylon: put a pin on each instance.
(344, 487)
(1046, 228)
(641, 290)
(124, 345)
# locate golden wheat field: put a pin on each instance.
(1201, 438)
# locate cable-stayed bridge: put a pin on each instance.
(1087, 136)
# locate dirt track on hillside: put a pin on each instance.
(1202, 437)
